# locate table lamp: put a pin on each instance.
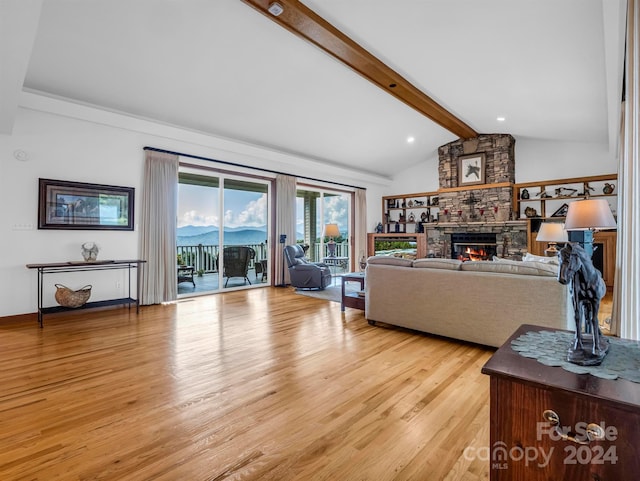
(589, 215)
(331, 231)
(552, 233)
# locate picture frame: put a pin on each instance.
(471, 169)
(84, 206)
(562, 211)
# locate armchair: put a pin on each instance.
(305, 274)
(236, 260)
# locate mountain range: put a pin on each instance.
(192, 235)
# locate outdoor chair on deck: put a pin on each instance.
(303, 273)
(236, 260)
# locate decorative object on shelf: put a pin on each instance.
(418, 203)
(82, 206)
(565, 191)
(552, 233)
(561, 212)
(530, 212)
(90, 251)
(524, 194)
(412, 218)
(410, 204)
(380, 228)
(435, 201)
(471, 169)
(69, 298)
(402, 218)
(587, 190)
(589, 347)
(331, 231)
(363, 261)
(608, 188)
(424, 217)
(404, 203)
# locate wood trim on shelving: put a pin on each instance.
(572, 180)
(497, 185)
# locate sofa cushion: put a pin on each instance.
(390, 261)
(506, 266)
(543, 259)
(437, 263)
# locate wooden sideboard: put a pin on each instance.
(419, 238)
(521, 389)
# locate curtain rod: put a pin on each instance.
(208, 159)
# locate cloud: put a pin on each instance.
(193, 217)
(255, 214)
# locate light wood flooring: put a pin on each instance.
(246, 385)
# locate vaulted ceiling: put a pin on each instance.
(552, 68)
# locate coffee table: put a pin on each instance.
(352, 299)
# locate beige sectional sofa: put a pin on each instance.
(481, 302)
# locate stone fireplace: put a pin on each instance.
(483, 210)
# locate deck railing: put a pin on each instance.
(205, 257)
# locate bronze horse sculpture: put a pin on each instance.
(587, 288)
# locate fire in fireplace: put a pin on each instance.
(473, 246)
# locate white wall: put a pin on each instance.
(68, 141)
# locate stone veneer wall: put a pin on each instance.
(474, 209)
(511, 237)
(496, 203)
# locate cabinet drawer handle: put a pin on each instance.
(594, 431)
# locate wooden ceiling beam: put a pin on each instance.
(305, 23)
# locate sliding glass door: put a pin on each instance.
(222, 234)
(323, 224)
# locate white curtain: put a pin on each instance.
(158, 227)
(360, 225)
(285, 224)
(626, 301)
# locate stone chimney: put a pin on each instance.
(499, 170)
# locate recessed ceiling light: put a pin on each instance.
(410, 139)
(501, 119)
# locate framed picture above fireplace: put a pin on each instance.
(471, 169)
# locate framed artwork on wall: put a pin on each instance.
(82, 206)
(471, 169)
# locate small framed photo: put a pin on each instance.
(471, 170)
(79, 205)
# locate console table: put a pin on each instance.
(524, 391)
(60, 267)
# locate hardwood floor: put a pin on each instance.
(246, 385)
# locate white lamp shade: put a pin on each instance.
(331, 230)
(552, 232)
(589, 214)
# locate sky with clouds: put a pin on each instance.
(199, 206)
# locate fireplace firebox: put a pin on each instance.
(473, 246)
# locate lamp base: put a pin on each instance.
(552, 250)
(331, 249)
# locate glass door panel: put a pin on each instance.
(245, 234)
(198, 234)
